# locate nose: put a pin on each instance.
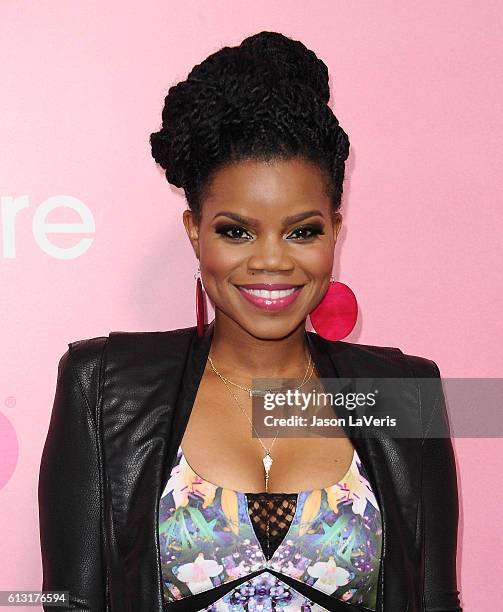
(270, 255)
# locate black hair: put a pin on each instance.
(266, 98)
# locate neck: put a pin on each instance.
(240, 356)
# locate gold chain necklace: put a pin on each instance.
(252, 392)
(267, 459)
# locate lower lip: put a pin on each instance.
(268, 304)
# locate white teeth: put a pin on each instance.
(270, 295)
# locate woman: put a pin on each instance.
(153, 492)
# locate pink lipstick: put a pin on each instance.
(270, 296)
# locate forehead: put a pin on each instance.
(267, 186)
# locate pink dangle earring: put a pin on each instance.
(335, 316)
(200, 311)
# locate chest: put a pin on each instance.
(220, 446)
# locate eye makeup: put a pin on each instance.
(226, 228)
(314, 230)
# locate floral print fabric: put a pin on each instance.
(333, 543)
(263, 593)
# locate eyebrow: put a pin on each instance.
(255, 222)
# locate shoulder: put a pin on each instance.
(80, 371)
(423, 374)
(144, 348)
(377, 360)
(86, 357)
(84, 352)
(122, 355)
(390, 359)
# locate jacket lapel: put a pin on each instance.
(392, 464)
(196, 358)
(143, 374)
(334, 360)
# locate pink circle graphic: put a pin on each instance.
(9, 450)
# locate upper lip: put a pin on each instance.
(269, 286)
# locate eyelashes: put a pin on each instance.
(312, 230)
(225, 231)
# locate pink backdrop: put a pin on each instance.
(418, 89)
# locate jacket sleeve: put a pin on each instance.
(439, 506)
(70, 489)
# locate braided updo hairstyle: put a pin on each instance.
(264, 99)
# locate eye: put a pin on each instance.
(312, 230)
(225, 230)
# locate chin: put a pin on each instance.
(273, 328)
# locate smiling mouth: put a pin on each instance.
(270, 295)
(270, 299)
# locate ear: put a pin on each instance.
(337, 224)
(192, 229)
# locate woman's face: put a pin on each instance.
(265, 223)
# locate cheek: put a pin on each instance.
(220, 261)
(317, 262)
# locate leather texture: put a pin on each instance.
(121, 407)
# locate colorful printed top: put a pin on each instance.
(323, 542)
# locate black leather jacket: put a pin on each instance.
(122, 403)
